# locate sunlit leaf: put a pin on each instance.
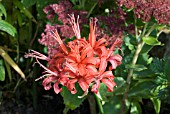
(151, 40)
(157, 104)
(6, 27)
(2, 10)
(136, 67)
(11, 62)
(135, 108)
(2, 71)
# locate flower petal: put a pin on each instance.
(71, 86)
(107, 74)
(100, 42)
(91, 70)
(82, 70)
(115, 60)
(56, 88)
(83, 84)
(90, 60)
(103, 65)
(102, 51)
(46, 82)
(109, 83)
(92, 36)
(96, 86)
(57, 37)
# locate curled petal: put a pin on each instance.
(100, 42)
(71, 86)
(56, 88)
(107, 74)
(115, 60)
(109, 83)
(84, 94)
(46, 82)
(96, 86)
(116, 43)
(102, 51)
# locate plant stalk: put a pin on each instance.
(99, 105)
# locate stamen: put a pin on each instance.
(75, 25)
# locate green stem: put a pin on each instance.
(134, 61)
(138, 49)
(66, 109)
(91, 9)
(99, 104)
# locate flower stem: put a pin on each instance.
(66, 109)
(99, 105)
(134, 61)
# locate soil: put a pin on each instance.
(48, 103)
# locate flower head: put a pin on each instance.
(145, 9)
(80, 61)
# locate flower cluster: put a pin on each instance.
(115, 25)
(83, 61)
(62, 9)
(145, 9)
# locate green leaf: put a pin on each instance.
(151, 40)
(121, 86)
(71, 100)
(135, 108)
(128, 42)
(157, 66)
(104, 93)
(167, 69)
(2, 71)
(24, 10)
(136, 67)
(114, 105)
(142, 89)
(6, 27)
(145, 74)
(2, 10)
(28, 3)
(157, 104)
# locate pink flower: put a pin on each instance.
(80, 61)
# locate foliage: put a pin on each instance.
(140, 77)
